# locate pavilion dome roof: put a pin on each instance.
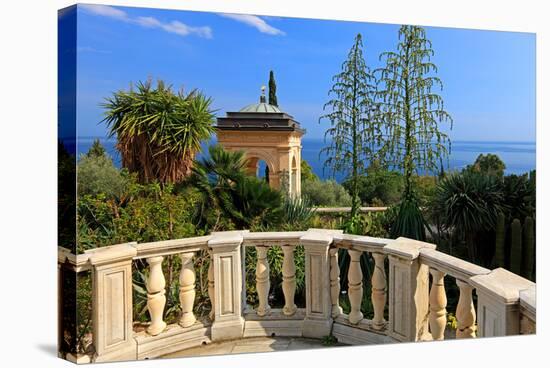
(261, 107)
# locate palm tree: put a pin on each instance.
(226, 189)
(159, 132)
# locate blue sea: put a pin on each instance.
(519, 157)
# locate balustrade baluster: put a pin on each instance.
(289, 280)
(156, 298)
(262, 281)
(465, 312)
(378, 294)
(211, 293)
(187, 290)
(335, 283)
(355, 287)
(438, 302)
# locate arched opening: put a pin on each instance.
(260, 168)
(262, 171)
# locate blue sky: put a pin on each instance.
(488, 76)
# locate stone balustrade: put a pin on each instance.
(407, 293)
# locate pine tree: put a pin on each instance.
(272, 90)
(411, 114)
(96, 150)
(354, 133)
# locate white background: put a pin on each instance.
(28, 123)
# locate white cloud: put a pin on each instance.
(183, 29)
(175, 26)
(256, 22)
(148, 22)
(105, 11)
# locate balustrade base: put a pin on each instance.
(173, 339)
(78, 358)
(353, 335)
(364, 332)
(316, 328)
(126, 351)
(228, 330)
(276, 324)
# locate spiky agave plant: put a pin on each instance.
(158, 131)
(297, 212)
(411, 112)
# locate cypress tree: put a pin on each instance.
(272, 89)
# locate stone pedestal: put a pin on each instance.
(112, 303)
(228, 287)
(498, 302)
(409, 291)
(318, 320)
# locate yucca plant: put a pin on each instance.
(158, 130)
(469, 204)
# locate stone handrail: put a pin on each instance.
(416, 307)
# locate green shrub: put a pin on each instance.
(379, 187)
(326, 193)
(149, 213)
(97, 175)
(307, 172)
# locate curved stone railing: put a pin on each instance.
(416, 305)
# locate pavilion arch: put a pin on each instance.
(254, 156)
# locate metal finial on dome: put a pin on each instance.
(262, 96)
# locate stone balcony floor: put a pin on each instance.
(252, 345)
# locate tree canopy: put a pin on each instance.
(411, 111)
(489, 164)
(354, 134)
(159, 131)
